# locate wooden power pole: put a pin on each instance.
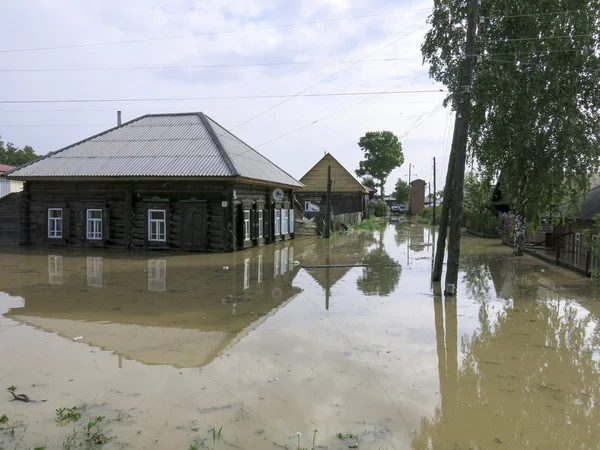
(328, 219)
(453, 190)
(434, 192)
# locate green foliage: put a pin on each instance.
(370, 224)
(346, 435)
(383, 153)
(535, 119)
(402, 192)
(478, 213)
(12, 388)
(368, 181)
(194, 446)
(14, 156)
(378, 208)
(67, 415)
(3, 419)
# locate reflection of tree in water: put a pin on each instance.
(528, 378)
(382, 272)
(401, 235)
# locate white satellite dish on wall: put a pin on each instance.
(277, 195)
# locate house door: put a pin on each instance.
(193, 226)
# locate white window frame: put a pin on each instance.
(307, 205)
(291, 219)
(53, 232)
(261, 223)
(93, 225)
(284, 221)
(246, 225)
(158, 236)
(277, 222)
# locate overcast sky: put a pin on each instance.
(239, 33)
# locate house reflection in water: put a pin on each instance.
(128, 307)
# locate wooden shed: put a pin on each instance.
(348, 195)
(160, 181)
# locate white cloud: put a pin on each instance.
(31, 24)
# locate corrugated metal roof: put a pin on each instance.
(160, 145)
(5, 168)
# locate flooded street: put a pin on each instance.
(255, 346)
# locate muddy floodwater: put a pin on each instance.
(247, 350)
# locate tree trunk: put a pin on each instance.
(382, 184)
(519, 239)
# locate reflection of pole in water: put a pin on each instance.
(327, 283)
(446, 333)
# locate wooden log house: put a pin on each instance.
(348, 195)
(161, 181)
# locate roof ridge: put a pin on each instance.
(217, 142)
(249, 146)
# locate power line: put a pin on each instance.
(332, 114)
(164, 99)
(533, 52)
(328, 77)
(177, 108)
(204, 66)
(212, 33)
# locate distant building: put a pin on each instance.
(417, 196)
(8, 186)
(348, 195)
(161, 181)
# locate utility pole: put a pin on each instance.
(409, 172)
(460, 140)
(328, 219)
(434, 192)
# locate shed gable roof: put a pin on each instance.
(315, 180)
(159, 145)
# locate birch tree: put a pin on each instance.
(535, 97)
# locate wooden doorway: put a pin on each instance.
(193, 226)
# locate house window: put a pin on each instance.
(157, 225)
(291, 221)
(55, 223)
(246, 225)
(94, 224)
(261, 223)
(246, 273)
(284, 221)
(277, 222)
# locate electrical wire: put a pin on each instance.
(212, 33)
(164, 99)
(332, 114)
(329, 77)
(555, 13)
(543, 38)
(203, 66)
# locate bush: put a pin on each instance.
(378, 208)
(370, 224)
